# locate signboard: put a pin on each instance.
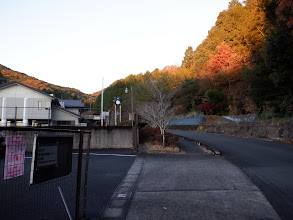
(14, 157)
(51, 157)
(47, 156)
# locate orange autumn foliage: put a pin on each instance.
(170, 69)
(224, 66)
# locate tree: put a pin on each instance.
(225, 60)
(2, 78)
(262, 89)
(188, 96)
(187, 61)
(224, 67)
(115, 89)
(271, 82)
(159, 111)
(217, 100)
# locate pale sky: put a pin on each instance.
(75, 44)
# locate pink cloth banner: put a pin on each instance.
(14, 158)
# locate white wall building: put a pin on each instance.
(22, 105)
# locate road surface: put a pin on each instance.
(18, 200)
(107, 168)
(269, 165)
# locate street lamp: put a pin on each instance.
(132, 115)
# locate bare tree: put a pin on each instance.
(159, 111)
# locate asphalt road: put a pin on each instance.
(107, 169)
(268, 164)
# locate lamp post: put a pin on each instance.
(132, 115)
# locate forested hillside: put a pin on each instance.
(8, 75)
(243, 66)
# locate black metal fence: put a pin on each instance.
(59, 198)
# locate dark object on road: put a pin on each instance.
(2, 144)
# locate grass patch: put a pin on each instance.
(159, 149)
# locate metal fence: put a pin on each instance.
(59, 198)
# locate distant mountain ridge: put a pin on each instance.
(9, 75)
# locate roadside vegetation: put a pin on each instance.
(151, 139)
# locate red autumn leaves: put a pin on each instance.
(224, 66)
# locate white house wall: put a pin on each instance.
(59, 115)
(74, 110)
(15, 101)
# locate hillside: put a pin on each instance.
(244, 66)
(8, 75)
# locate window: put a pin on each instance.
(39, 105)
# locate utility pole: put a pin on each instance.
(120, 113)
(132, 115)
(102, 103)
(115, 116)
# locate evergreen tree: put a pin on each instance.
(187, 61)
(188, 96)
(272, 81)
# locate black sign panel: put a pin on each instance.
(52, 157)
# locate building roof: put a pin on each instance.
(72, 103)
(13, 83)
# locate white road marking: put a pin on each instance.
(117, 155)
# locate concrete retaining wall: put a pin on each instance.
(102, 138)
(114, 138)
(277, 132)
(183, 127)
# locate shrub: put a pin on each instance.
(153, 136)
(148, 134)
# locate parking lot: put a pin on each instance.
(19, 200)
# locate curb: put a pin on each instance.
(209, 148)
(214, 151)
(117, 206)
